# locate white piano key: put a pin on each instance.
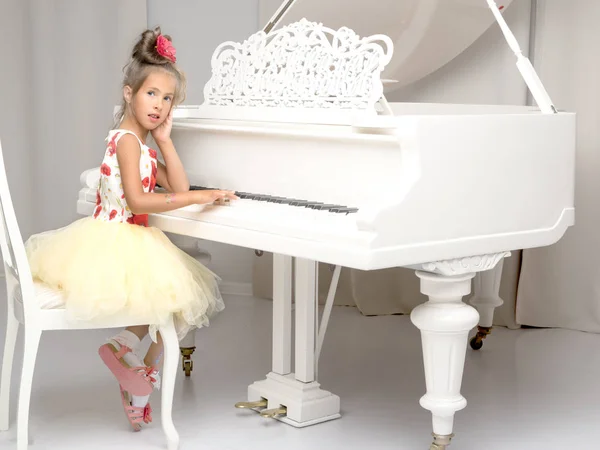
(276, 218)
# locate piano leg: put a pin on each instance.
(187, 346)
(445, 322)
(282, 314)
(485, 300)
(294, 398)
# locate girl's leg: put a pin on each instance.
(154, 356)
(139, 330)
(136, 406)
(153, 359)
(120, 354)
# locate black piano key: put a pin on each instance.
(324, 206)
(348, 210)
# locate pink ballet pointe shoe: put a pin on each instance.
(134, 380)
(135, 415)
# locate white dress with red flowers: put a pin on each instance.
(113, 262)
(110, 199)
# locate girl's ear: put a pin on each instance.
(127, 93)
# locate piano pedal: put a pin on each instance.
(262, 403)
(440, 442)
(272, 413)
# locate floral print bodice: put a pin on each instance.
(111, 204)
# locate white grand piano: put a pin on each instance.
(295, 120)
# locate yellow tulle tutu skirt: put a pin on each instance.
(104, 268)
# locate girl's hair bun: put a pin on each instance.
(153, 47)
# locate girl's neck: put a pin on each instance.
(131, 124)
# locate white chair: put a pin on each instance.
(39, 309)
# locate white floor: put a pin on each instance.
(526, 389)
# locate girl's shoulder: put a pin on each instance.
(117, 133)
(113, 138)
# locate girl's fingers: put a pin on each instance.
(228, 194)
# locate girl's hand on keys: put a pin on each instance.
(219, 197)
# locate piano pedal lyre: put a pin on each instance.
(262, 403)
(272, 413)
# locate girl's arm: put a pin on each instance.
(140, 202)
(171, 175)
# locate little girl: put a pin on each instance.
(114, 262)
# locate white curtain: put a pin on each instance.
(77, 49)
(15, 113)
(560, 285)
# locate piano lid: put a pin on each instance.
(427, 34)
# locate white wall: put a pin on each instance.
(197, 27)
(484, 73)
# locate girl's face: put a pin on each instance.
(152, 103)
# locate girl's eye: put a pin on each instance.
(168, 99)
(150, 93)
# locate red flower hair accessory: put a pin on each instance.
(165, 48)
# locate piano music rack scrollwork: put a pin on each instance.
(302, 65)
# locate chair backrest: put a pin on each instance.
(16, 264)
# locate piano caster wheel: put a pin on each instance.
(272, 413)
(186, 360)
(477, 340)
(476, 343)
(251, 405)
(440, 442)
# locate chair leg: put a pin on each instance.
(12, 329)
(170, 365)
(32, 341)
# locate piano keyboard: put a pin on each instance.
(289, 217)
(319, 206)
(276, 218)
